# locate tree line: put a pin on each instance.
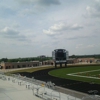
(97, 56)
(25, 59)
(46, 58)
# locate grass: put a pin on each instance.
(62, 73)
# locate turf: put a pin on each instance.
(62, 73)
(66, 81)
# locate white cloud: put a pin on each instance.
(76, 27)
(60, 28)
(9, 33)
(39, 26)
(35, 6)
(79, 46)
(94, 10)
(85, 46)
(55, 29)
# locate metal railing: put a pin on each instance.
(41, 89)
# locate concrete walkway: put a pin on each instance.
(12, 91)
(15, 88)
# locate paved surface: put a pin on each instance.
(12, 91)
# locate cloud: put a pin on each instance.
(48, 2)
(9, 32)
(76, 27)
(40, 2)
(55, 29)
(34, 6)
(59, 28)
(94, 10)
(6, 11)
(12, 34)
(82, 46)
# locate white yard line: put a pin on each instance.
(73, 74)
(84, 76)
(87, 71)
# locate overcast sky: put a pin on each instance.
(29, 28)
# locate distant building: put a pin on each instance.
(97, 60)
(10, 65)
(81, 60)
(72, 60)
(42, 56)
(86, 60)
(48, 62)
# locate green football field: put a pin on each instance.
(87, 74)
